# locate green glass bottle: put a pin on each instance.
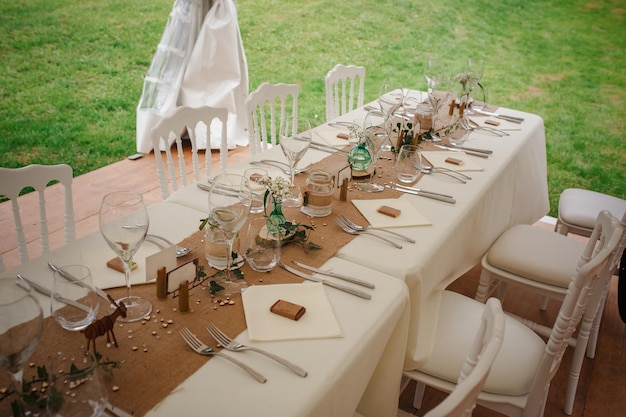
(360, 157)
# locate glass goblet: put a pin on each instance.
(229, 205)
(433, 73)
(261, 247)
(21, 326)
(75, 386)
(408, 164)
(74, 304)
(295, 138)
(390, 97)
(124, 223)
(376, 132)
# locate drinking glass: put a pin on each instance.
(295, 138)
(75, 386)
(408, 164)
(438, 97)
(21, 325)
(433, 73)
(261, 246)
(376, 130)
(391, 97)
(124, 223)
(74, 304)
(257, 190)
(229, 206)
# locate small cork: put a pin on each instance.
(343, 136)
(161, 291)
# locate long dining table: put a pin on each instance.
(361, 369)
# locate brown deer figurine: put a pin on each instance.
(104, 326)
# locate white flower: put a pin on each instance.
(278, 187)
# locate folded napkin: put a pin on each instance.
(438, 159)
(409, 215)
(319, 321)
(329, 135)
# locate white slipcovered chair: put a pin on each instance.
(196, 121)
(520, 377)
(544, 262)
(342, 93)
(14, 180)
(266, 108)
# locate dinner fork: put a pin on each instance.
(201, 348)
(346, 228)
(364, 228)
(232, 345)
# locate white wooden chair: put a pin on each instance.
(266, 108)
(480, 358)
(342, 93)
(544, 262)
(13, 181)
(579, 208)
(520, 377)
(197, 123)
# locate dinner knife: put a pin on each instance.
(335, 275)
(468, 152)
(43, 290)
(506, 117)
(421, 193)
(326, 148)
(465, 148)
(72, 278)
(326, 282)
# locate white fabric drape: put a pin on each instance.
(200, 61)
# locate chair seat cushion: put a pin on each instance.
(581, 207)
(515, 366)
(536, 254)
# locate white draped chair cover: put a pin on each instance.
(190, 67)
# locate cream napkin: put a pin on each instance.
(329, 135)
(409, 215)
(438, 159)
(318, 321)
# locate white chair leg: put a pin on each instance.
(485, 286)
(544, 303)
(595, 328)
(419, 395)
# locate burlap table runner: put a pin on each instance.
(154, 358)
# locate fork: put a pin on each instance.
(346, 228)
(234, 346)
(201, 348)
(364, 228)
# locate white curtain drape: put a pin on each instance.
(200, 61)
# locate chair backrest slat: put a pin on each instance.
(340, 83)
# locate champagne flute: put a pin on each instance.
(295, 138)
(21, 326)
(229, 206)
(124, 223)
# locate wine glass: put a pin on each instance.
(391, 97)
(74, 304)
(229, 206)
(21, 325)
(124, 223)
(75, 386)
(376, 130)
(433, 73)
(438, 96)
(295, 138)
(476, 69)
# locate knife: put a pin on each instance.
(335, 275)
(72, 278)
(326, 148)
(115, 411)
(465, 148)
(326, 282)
(508, 118)
(45, 291)
(421, 193)
(468, 152)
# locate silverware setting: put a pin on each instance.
(326, 148)
(203, 349)
(326, 282)
(72, 278)
(459, 176)
(355, 226)
(278, 164)
(471, 125)
(43, 290)
(508, 118)
(459, 149)
(346, 228)
(234, 346)
(335, 275)
(420, 192)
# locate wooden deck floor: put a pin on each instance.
(603, 382)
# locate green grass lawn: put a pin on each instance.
(72, 71)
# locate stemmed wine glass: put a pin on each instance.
(437, 97)
(433, 73)
(295, 138)
(376, 130)
(124, 223)
(475, 68)
(21, 326)
(390, 97)
(229, 205)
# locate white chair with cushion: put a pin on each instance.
(266, 108)
(544, 262)
(196, 122)
(345, 85)
(520, 377)
(13, 181)
(478, 362)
